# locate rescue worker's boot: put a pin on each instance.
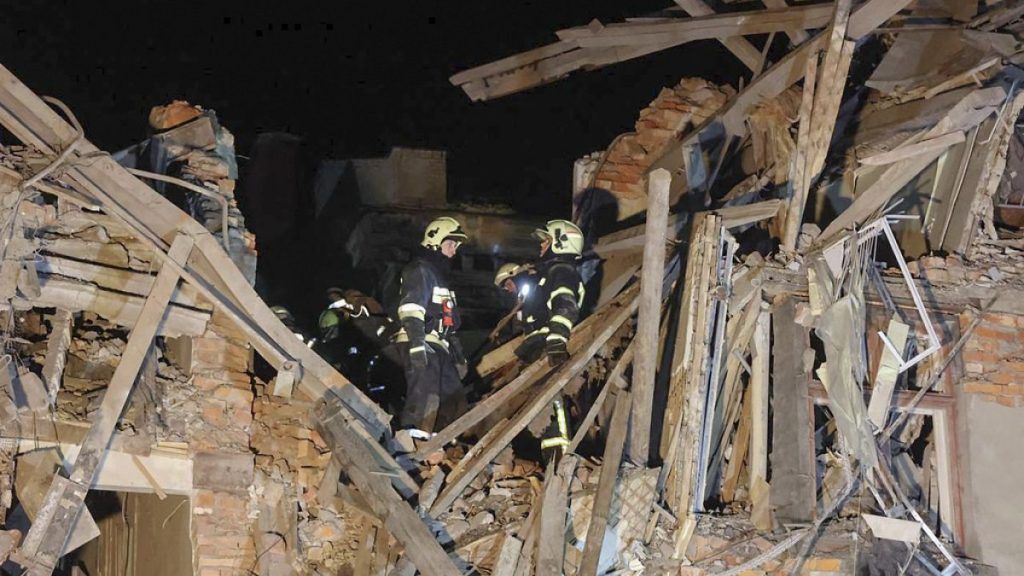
(556, 440)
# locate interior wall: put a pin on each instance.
(140, 534)
(992, 468)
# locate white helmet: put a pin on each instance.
(441, 229)
(505, 272)
(565, 237)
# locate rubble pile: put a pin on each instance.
(811, 366)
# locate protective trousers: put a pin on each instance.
(434, 397)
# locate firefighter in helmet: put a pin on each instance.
(550, 314)
(429, 316)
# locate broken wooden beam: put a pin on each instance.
(792, 455)
(553, 514)
(613, 448)
(589, 47)
(649, 316)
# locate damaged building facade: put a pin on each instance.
(805, 356)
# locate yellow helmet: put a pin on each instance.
(505, 272)
(441, 229)
(566, 237)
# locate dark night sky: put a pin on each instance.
(353, 78)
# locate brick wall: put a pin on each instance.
(672, 113)
(994, 358)
(222, 508)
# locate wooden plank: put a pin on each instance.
(613, 448)
(792, 456)
(814, 144)
(710, 26)
(739, 450)
(540, 402)
(111, 278)
(760, 369)
(619, 42)
(795, 34)
(65, 500)
(118, 308)
(740, 47)
(508, 558)
(57, 346)
(401, 520)
(736, 216)
(553, 513)
(499, 357)
(649, 316)
(799, 182)
(940, 143)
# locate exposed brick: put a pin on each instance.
(982, 388)
(974, 368)
(980, 357)
(989, 332)
(1006, 377)
(214, 415)
(1011, 401)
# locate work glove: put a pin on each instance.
(418, 357)
(556, 352)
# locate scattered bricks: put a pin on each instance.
(932, 262)
(974, 368)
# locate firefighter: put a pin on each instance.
(353, 332)
(516, 282)
(429, 316)
(553, 310)
(286, 318)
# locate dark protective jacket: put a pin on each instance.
(552, 309)
(427, 308)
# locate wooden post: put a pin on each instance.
(605, 486)
(793, 479)
(65, 499)
(651, 280)
(553, 512)
(759, 364)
